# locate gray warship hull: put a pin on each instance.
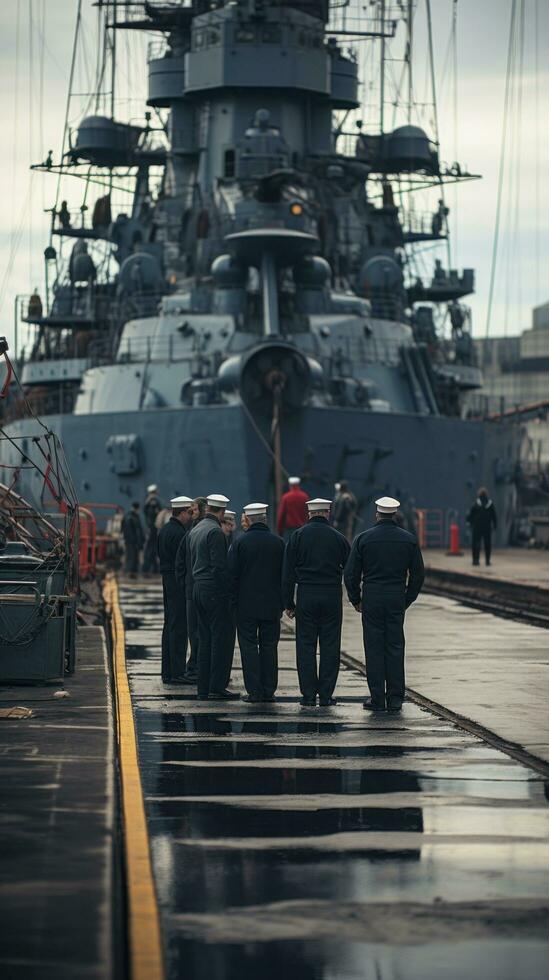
(429, 463)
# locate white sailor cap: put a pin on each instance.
(181, 503)
(318, 504)
(387, 505)
(230, 513)
(294, 480)
(151, 488)
(254, 510)
(337, 487)
(217, 500)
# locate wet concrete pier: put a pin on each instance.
(325, 843)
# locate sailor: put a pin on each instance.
(344, 511)
(211, 594)
(482, 517)
(383, 576)
(151, 510)
(184, 579)
(255, 564)
(292, 510)
(174, 633)
(64, 215)
(35, 308)
(134, 538)
(228, 526)
(314, 559)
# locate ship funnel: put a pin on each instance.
(270, 249)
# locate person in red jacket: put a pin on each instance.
(292, 510)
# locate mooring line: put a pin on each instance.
(145, 953)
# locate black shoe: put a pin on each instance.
(250, 700)
(183, 679)
(306, 703)
(488, 563)
(476, 563)
(394, 709)
(203, 697)
(368, 705)
(268, 698)
(325, 703)
(191, 675)
(224, 696)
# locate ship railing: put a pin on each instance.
(73, 220)
(423, 224)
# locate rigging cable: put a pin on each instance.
(69, 96)
(501, 175)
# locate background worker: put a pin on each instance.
(292, 510)
(134, 539)
(255, 564)
(314, 560)
(174, 632)
(344, 511)
(210, 572)
(383, 576)
(151, 510)
(184, 579)
(482, 517)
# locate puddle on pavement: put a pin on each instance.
(330, 959)
(210, 820)
(199, 751)
(219, 781)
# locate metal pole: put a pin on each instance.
(277, 447)
(382, 71)
(270, 295)
(15, 326)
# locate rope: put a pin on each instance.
(260, 435)
(495, 245)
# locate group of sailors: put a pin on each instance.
(219, 582)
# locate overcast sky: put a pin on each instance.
(34, 75)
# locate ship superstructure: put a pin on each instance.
(257, 309)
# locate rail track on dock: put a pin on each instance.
(511, 600)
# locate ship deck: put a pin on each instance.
(269, 840)
(328, 843)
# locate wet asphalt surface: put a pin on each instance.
(324, 844)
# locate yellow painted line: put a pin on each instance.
(145, 955)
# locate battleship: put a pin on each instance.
(256, 310)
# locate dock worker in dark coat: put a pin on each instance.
(482, 518)
(151, 510)
(184, 579)
(314, 560)
(292, 510)
(134, 539)
(383, 576)
(210, 572)
(174, 632)
(255, 564)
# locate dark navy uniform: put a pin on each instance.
(134, 538)
(151, 510)
(211, 594)
(314, 559)
(386, 564)
(482, 518)
(174, 633)
(255, 564)
(184, 578)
